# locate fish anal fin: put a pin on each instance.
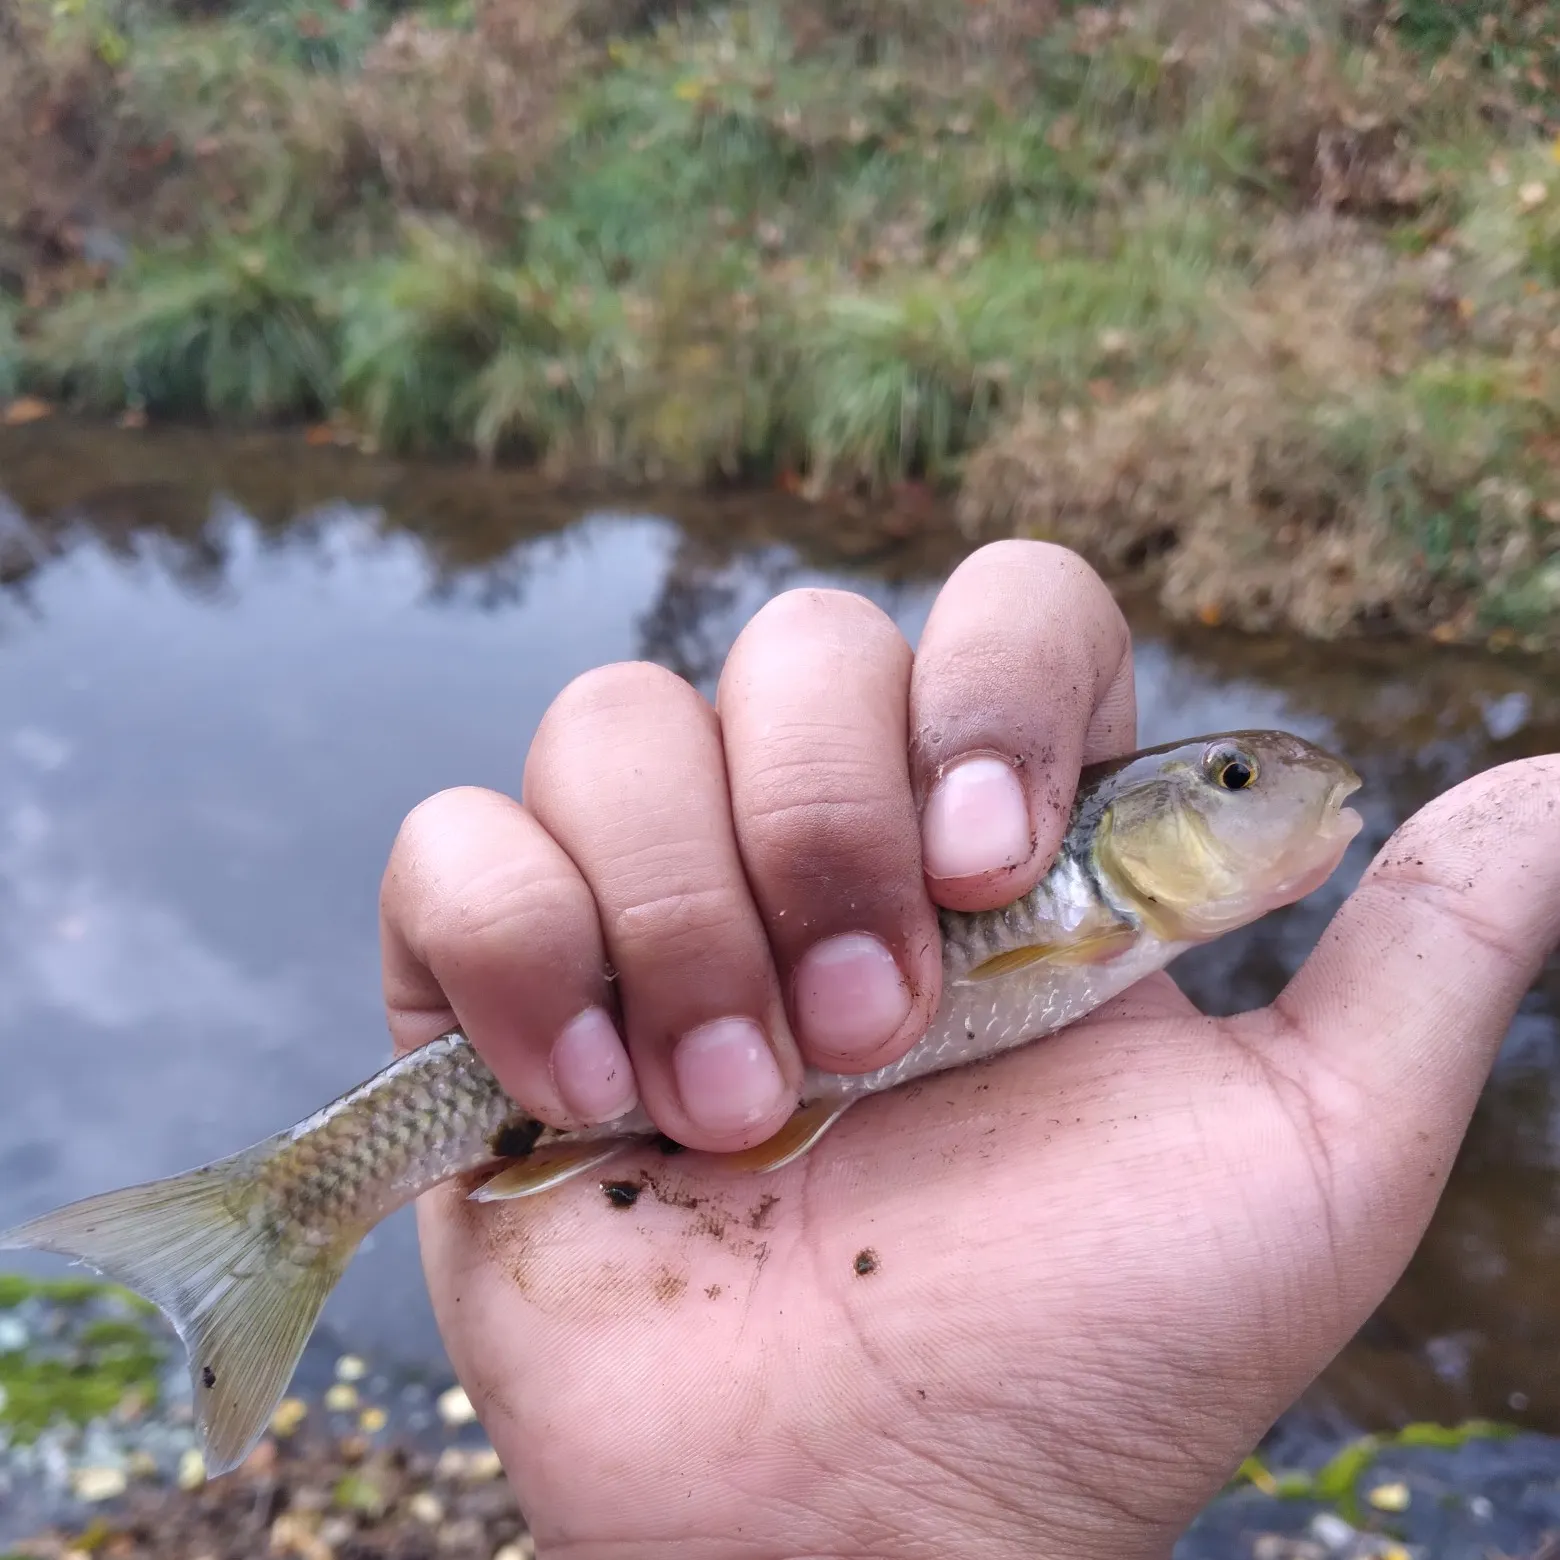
(1094, 948)
(544, 1169)
(240, 1284)
(805, 1126)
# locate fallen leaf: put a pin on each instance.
(25, 409)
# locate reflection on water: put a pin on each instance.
(229, 668)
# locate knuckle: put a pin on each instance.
(687, 923)
(497, 917)
(805, 828)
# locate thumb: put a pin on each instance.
(1391, 1026)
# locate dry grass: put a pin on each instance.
(1261, 299)
(1315, 470)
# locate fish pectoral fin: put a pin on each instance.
(241, 1295)
(546, 1168)
(1095, 948)
(795, 1138)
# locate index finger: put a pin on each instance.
(1023, 675)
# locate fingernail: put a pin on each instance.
(977, 820)
(591, 1069)
(849, 995)
(726, 1074)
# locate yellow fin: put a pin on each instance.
(547, 1167)
(1096, 948)
(242, 1295)
(800, 1132)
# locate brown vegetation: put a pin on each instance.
(1261, 300)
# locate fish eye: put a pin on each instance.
(1230, 768)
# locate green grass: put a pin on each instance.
(10, 350)
(236, 332)
(728, 245)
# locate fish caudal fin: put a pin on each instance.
(201, 1248)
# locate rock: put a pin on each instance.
(292, 1536)
(290, 1413)
(342, 1398)
(426, 1507)
(13, 1335)
(469, 1465)
(336, 1531)
(1279, 1546)
(372, 1420)
(1330, 1530)
(350, 1368)
(192, 1470)
(141, 1465)
(1389, 1497)
(95, 1484)
(455, 1407)
(462, 1535)
(523, 1548)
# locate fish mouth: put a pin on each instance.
(1343, 823)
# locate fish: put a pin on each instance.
(1164, 849)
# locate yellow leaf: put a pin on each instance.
(25, 409)
(1389, 1497)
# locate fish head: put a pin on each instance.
(1203, 836)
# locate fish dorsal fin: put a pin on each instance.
(1096, 948)
(546, 1168)
(803, 1129)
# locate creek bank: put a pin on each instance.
(1265, 311)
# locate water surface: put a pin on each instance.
(229, 667)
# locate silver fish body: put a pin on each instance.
(1164, 849)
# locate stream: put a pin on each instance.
(229, 667)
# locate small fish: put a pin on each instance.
(1167, 848)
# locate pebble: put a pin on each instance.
(192, 1470)
(13, 1335)
(455, 1407)
(372, 1420)
(1330, 1529)
(342, 1398)
(350, 1368)
(427, 1508)
(290, 1535)
(95, 1484)
(523, 1548)
(468, 1465)
(1389, 1497)
(1278, 1546)
(290, 1413)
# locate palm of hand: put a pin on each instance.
(1070, 1288)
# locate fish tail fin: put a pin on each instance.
(240, 1283)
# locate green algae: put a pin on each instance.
(100, 1354)
(1337, 1482)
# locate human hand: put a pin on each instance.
(1037, 1308)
